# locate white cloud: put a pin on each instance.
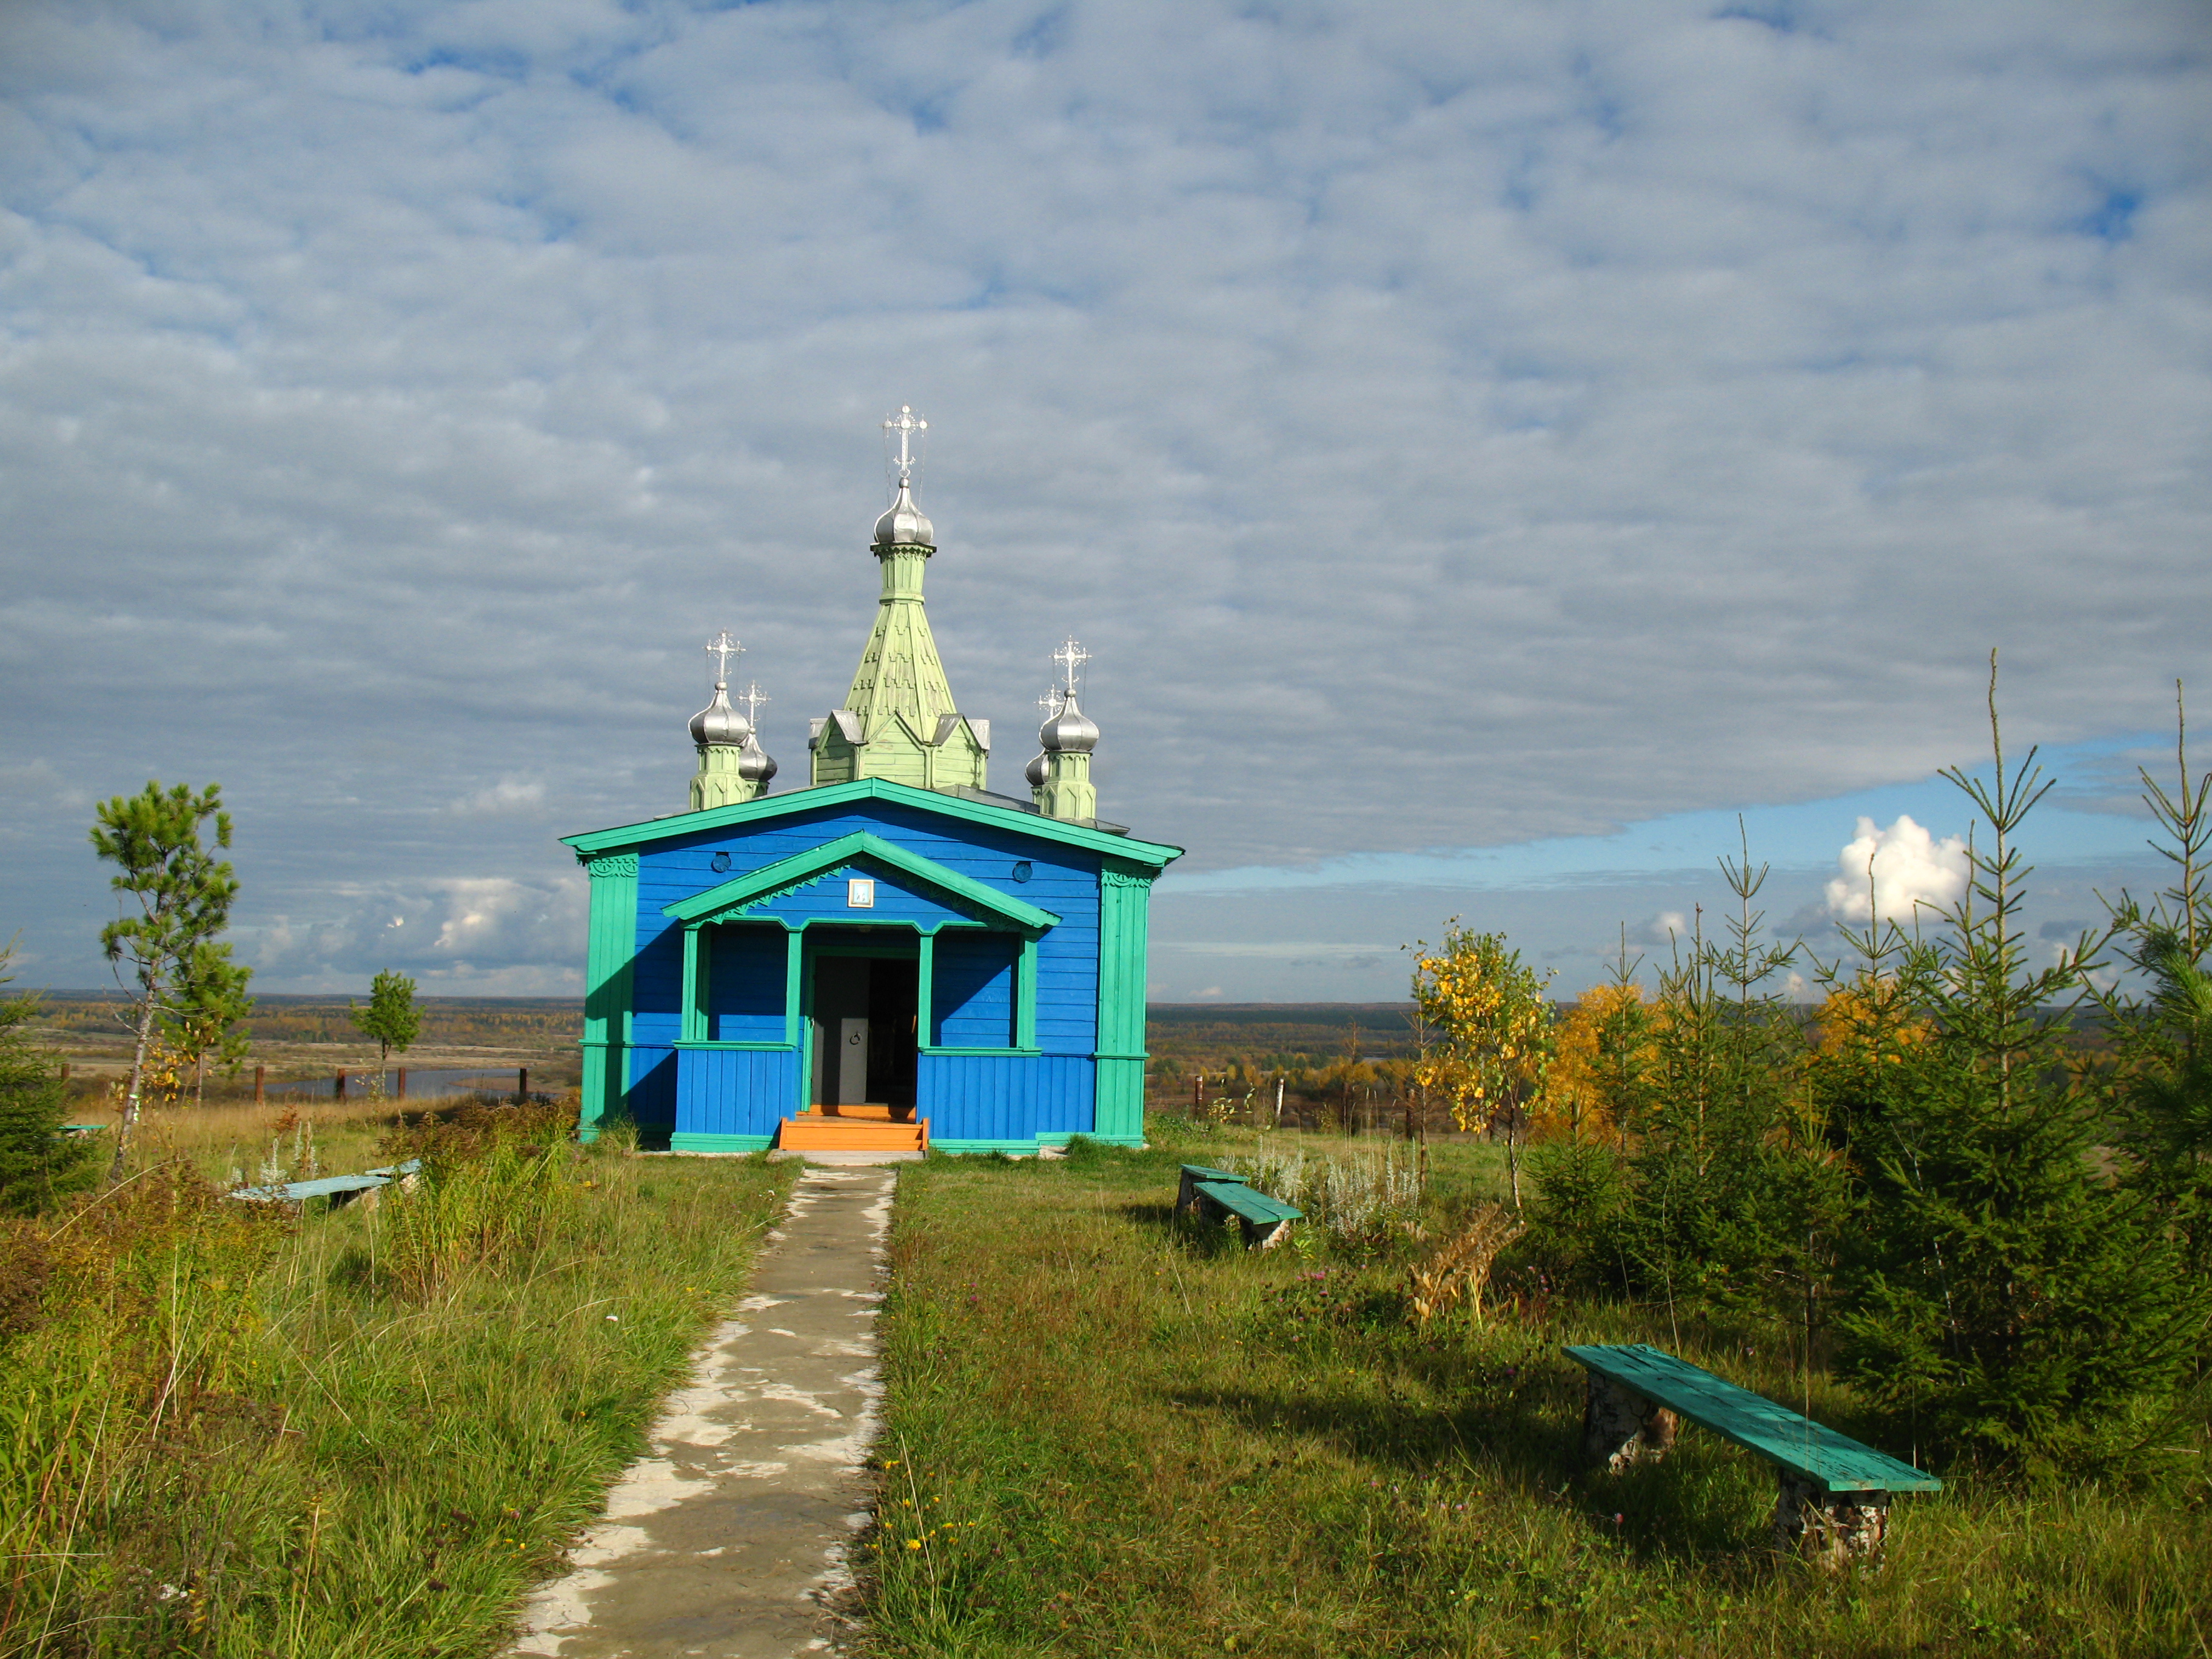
(1503, 422)
(1898, 874)
(459, 933)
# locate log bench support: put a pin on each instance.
(1621, 1428)
(1832, 1509)
(1830, 1529)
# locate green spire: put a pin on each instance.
(899, 721)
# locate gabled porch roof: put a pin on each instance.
(863, 850)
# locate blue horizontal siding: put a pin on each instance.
(745, 981)
(901, 901)
(972, 995)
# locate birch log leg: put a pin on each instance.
(1621, 1427)
(1830, 1529)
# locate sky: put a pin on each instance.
(1486, 448)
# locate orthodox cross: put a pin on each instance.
(752, 701)
(1070, 657)
(1052, 702)
(721, 648)
(906, 423)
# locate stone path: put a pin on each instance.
(725, 1540)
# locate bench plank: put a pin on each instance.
(1757, 1423)
(1248, 1202)
(298, 1192)
(1187, 1189)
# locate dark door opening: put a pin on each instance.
(865, 1036)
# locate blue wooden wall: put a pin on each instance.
(746, 1092)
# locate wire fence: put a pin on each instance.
(402, 1083)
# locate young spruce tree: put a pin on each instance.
(39, 1164)
(2013, 1305)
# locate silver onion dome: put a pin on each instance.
(1034, 771)
(755, 764)
(719, 725)
(903, 526)
(1070, 732)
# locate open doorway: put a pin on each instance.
(866, 1044)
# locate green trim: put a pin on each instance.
(732, 1043)
(794, 959)
(925, 988)
(609, 949)
(1022, 1148)
(1025, 982)
(861, 847)
(871, 948)
(694, 1026)
(1124, 900)
(1155, 855)
(1018, 1054)
(703, 1143)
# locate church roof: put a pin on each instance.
(1010, 817)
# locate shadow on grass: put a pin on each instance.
(1190, 1233)
(1704, 1502)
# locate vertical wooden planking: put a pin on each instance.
(608, 948)
(1125, 894)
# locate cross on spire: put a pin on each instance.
(752, 699)
(907, 424)
(1053, 702)
(721, 648)
(1070, 657)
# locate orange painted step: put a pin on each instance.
(864, 1114)
(815, 1134)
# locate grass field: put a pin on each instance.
(237, 1432)
(1110, 1435)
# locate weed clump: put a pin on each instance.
(493, 1180)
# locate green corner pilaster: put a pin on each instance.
(1124, 917)
(611, 947)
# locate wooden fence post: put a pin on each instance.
(401, 1092)
(260, 1072)
(522, 1085)
(341, 1093)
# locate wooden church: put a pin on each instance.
(893, 957)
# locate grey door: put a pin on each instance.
(851, 1061)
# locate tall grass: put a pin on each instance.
(1362, 1195)
(228, 1429)
(1105, 1439)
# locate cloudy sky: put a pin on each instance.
(1485, 447)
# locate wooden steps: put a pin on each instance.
(854, 1129)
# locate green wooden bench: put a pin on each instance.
(339, 1189)
(1263, 1220)
(1834, 1501)
(1218, 1192)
